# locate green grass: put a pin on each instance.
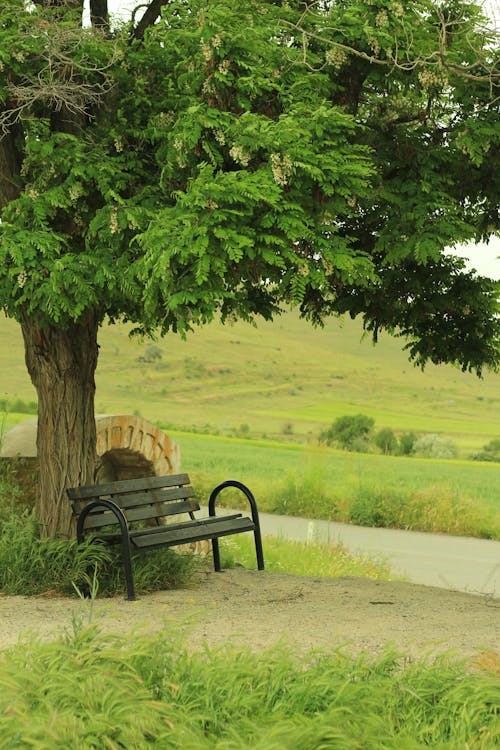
(30, 565)
(456, 497)
(90, 691)
(274, 377)
(317, 560)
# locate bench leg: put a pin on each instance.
(129, 573)
(259, 552)
(216, 555)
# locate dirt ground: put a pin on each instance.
(258, 609)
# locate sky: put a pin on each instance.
(485, 258)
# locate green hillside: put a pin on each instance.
(282, 379)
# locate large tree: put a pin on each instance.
(231, 158)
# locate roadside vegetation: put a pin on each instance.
(442, 496)
(140, 692)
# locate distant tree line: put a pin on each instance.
(357, 433)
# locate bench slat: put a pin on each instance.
(97, 519)
(138, 499)
(170, 537)
(127, 485)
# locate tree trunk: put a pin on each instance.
(62, 364)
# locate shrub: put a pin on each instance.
(350, 432)
(407, 443)
(435, 446)
(386, 440)
(490, 452)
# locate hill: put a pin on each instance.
(282, 379)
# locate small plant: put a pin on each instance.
(152, 354)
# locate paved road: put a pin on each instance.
(448, 562)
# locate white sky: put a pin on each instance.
(485, 258)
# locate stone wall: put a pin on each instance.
(127, 447)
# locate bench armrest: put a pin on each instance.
(240, 486)
(112, 506)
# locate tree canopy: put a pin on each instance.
(230, 158)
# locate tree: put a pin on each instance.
(351, 432)
(386, 440)
(230, 158)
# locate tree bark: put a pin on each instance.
(62, 364)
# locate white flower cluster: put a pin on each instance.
(374, 44)
(207, 48)
(22, 278)
(432, 78)
(335, 57)
(224, 67)
(118, 144)
(381, 18)
(397, 9)
(220, 136)
(113, 221)
(206, 51)
(75, 191)
(239, 155)
(208, 87)
(282, 168)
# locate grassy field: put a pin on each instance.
(249, 402)
(282, 380)
(141, 692)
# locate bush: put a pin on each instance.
(387, 441)
(407, 443)
(490, 452)
(435, 446)
(350, 432)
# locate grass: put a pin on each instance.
(30, 565)
(455, 497)
(317, 560)
(90, 691)
(281, 380)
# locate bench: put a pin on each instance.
(139, 508)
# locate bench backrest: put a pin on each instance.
(144, 499)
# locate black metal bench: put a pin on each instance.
(132, 503)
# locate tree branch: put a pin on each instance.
(150, 16)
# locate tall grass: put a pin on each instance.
(90, 691)
(32, 565)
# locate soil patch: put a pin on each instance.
(259, 609)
